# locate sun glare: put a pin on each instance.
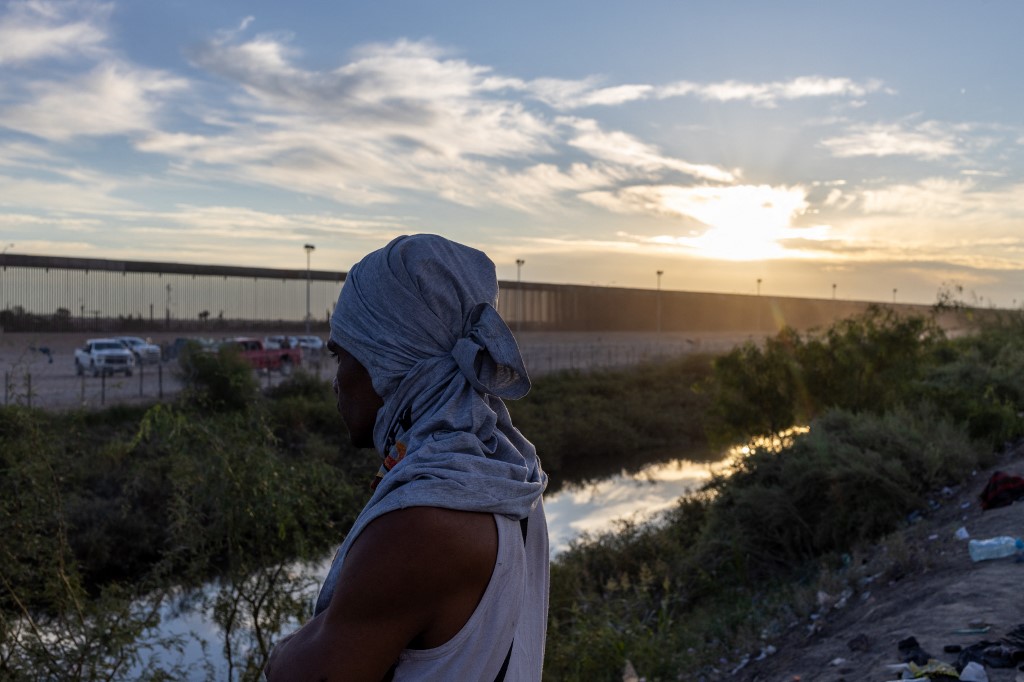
(745, 222)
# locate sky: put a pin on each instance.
(873, 149)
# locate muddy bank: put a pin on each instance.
(933, 592)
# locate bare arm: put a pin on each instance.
(411, 580)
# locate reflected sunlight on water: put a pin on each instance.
(576, 509)
(595, 507)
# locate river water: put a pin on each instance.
(574, 510)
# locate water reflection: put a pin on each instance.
(594, 507)
(637, 495)
(576, 508)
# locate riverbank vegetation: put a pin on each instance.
(897, 412)
(110, 517)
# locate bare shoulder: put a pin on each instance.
(418, 573)
(420, 543)
(412, 579)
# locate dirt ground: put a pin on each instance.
(39, 368)
(942, 599)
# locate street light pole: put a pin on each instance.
(519, 293)
(309, 250)
(660, 273)
(894, 294)
(758, 305)
(833, 292)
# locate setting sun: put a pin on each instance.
(740, 223)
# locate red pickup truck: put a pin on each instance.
(281, 359)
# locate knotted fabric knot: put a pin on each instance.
(489, 358)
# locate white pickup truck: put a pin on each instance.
(104, 356)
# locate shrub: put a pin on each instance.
(871, 362)
(852, 478)
(978, 382)
(220, 381)
(759, 390)
(603, 422)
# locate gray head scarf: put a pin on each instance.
(419, 315)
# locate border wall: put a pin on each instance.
(50, 293)
(553, 307)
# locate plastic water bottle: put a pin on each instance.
(994, 548)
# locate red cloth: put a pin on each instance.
(1002, 490)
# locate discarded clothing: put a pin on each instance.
(912, 652)
(1002, 490)
(1006, 652)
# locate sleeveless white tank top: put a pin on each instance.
(514, 605)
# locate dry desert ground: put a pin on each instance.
(38, 369)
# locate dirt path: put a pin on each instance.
(939, 598)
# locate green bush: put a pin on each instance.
(103, 513)
(598, 423)
(678, 594)
(980, 383)
(759, 390)
(302, 384)
(875, 362)
(870, 362)
(220, 381)
(852, 478)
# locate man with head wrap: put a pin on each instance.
(444, 575)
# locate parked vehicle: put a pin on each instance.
(174, 349)
(104, 356)
(261, 357)
(280, 342)
(145, 353)
(313, 344)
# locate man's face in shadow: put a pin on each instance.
(358, 403)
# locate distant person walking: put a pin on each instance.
(444, 575)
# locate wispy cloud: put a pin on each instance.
(928, 198)
(569, 94)
(954, 220)
(770, 94)
(37, 29)
(111, 99)
(926, 140)
(574, 94)
(620, 147)
(80, 194)
(405, 117)
(394, 121)
(940, 198)
(565, 94)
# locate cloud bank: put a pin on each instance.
(395, 130)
